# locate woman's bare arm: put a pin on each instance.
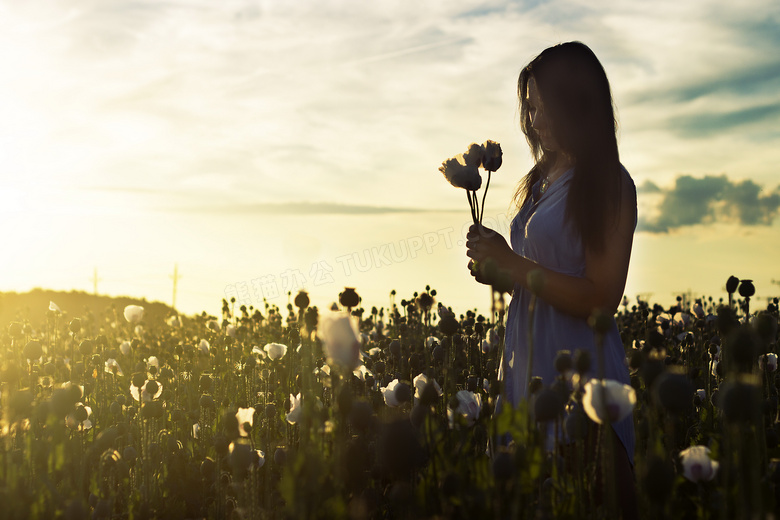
(605, 272)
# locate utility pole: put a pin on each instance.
(95, 281)
(175, 278)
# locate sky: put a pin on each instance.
(264, 146)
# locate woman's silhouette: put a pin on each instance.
(575, 222)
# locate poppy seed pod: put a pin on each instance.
(600, 322)
(33, 350)
(301, 300)
(582, 361)
(563, 361)
(349, 298)
(731, 284)
(138, 379)
(75, 325)
(311, 318)
(548, 405)
(15, 330)
(741, 401)
(746, 288)
(503, 466)
(448, 325)
(152, 387)
(674, 392)
(576, 424)
(424, 302)
(280, 456)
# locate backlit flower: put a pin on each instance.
(769, 361)
(420, 382)
(54, 307)
(491, 155)
(149, 391)
(388, 392)
(611, 405)
(340, 339)
(697, 464)
(134, 313)
(461, 175)
(473, 156)
(204, 346)
(80, 418)
(125, 348)
(174, 321)
(361, 372)
(245, 416)
(213, 325)
(296, 410)
(275, 350)
(112, 367)
(469, 408)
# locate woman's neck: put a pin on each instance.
(561, 165)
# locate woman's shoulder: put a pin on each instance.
(628, 191)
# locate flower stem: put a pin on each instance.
(484, 194)
(471, 206)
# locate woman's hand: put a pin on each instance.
(483, 243)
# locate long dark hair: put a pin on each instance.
(577, 101)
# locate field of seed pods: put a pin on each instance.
(330, 410)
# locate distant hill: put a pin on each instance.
(32, 306)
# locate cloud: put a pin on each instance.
(707, 123)
(307, 208)
(710, 199)
(648, 187)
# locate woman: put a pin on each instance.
(575, 223)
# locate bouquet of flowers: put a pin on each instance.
(462, 171)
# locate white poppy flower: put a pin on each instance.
(141, 395)
(361, 372)
(697, 464)
(340, 339)
(125, 348)
(469, 407)
(72, 420)
(213, 325)
(174, 321)
(204, 346)
(296, 410)
(461, 175)
(275, 350)
(112, 367)
(420, 382)
(769, 361)
(245, 415)
(54, 307)
(260, 458)
(388, 392)
(611, 405)
(134, 313)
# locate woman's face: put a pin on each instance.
(539, 121)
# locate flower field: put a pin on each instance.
(336, 411)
